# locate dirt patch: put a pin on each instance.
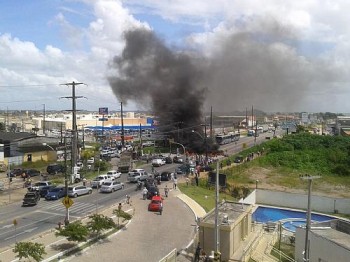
(268, 178)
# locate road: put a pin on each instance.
(234, 148)
(33, 220)
(47, 214)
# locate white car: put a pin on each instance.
(158, 162)
(98, 181)
(111, 186)
(90, 161)
(113, 174)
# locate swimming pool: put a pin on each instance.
(293, 218)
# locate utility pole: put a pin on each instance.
(122, 122)
(211, 123)
(217, 229)
(74, 123)
(308, 217)
(252, 117)
(44, 127)
(66, 219)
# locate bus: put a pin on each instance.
(223, 139)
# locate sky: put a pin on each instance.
(278, 56)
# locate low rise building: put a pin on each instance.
(235, 220)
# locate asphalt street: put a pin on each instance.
(149, 236)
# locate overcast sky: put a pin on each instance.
(276, 55)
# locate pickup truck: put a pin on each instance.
(38, 185)
(31, 198)
(99, 180)
(137, 175)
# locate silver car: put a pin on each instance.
(78, 191)
(111, 186)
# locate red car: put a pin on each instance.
(156, 204)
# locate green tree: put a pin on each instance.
(75, 231)
(300, 129)
(99, 222)
(29, 249)
(121, 214)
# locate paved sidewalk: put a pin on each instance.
(138, 241)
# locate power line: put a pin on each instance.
(28, 85)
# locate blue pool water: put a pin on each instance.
(269, 214)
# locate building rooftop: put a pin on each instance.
(333, 235)
(228, 212)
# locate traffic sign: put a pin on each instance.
(67, 202)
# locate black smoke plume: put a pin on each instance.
(165, 81)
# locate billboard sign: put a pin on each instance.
(103, 110)
(212, 179)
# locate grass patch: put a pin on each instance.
(203, 196)
(287, 249)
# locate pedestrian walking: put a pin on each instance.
(127, 199)
(175, 182)
(197, 253)
(187, 181)
(166, 191)
(144, 193)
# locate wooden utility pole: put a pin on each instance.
(74, 124)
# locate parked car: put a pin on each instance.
(178, 160)
(43, 191)
(98, 181)
(156, 204)
(206, 168)
(238, 159)
(168, 160)
(158, 162)
(137, 175)
(31, 199)
(111, 186)
(164, 176)
(55, 193)
(54, 169)
(90, 161)
(15, 172)
(38, 185)
(79, 190)
(152, 191)
(32, 172)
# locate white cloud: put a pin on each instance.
(91, 47)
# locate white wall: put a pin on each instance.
(321, 249)
(299, 201)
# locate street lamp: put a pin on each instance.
(183, 147)
(46, 144)
(308, 218)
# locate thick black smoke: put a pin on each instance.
(165, 81)
(258, 65)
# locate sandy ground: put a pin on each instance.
(266, 180)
